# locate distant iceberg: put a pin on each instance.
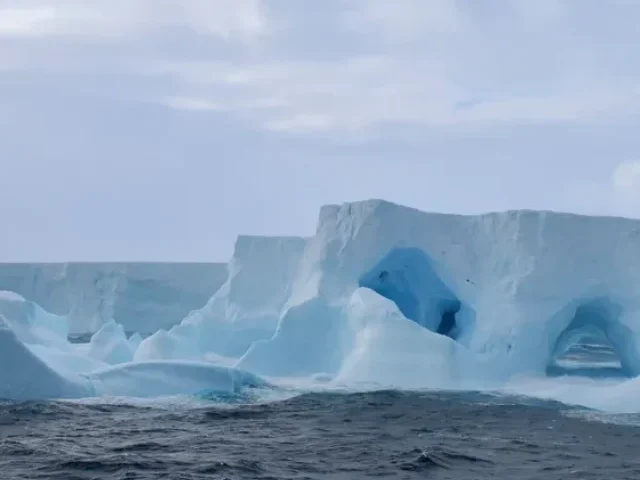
(140, 296)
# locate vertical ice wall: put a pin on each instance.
(522, 275)
(141, 296)
(246, 308)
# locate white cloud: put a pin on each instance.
(437, 63)
(229, 19)
(619, 194)
(364, 92)
(109, 106)
(193, 104)
(626, 187)
(26, 21)
(626, 177)
(353, 94)
(405, 20)
(303, 123)
(566, 107)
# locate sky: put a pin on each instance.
(162, 129)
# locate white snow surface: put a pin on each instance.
(381, 296)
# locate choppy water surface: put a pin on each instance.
(384, 434)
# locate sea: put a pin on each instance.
(377, 434)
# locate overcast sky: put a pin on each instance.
(160, 129)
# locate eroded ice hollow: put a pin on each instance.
(393, 296)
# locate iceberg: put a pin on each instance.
(35, 372)
(31, 323)
(111, 345)
(247, 308)
(381, 295)
(509, 289)
(25, 376)
(140, 296)
(169, 378)
(378, 328)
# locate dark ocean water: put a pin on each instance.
(386, 434)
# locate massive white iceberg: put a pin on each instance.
(509, 289)
(383, 295)
(140, 296)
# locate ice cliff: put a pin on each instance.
(140, 296)
(381, 294)
(504, 289)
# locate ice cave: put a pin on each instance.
(380, 296)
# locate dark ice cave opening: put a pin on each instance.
(407, 277)
(448, 325)
(591, 356)
(591, 345)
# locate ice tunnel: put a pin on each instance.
(603, 340)
(406, 276)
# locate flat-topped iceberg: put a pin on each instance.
(387, 295)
